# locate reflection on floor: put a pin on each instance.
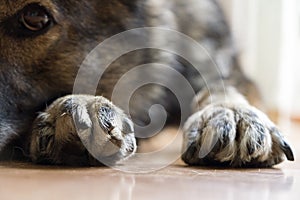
(159, 180)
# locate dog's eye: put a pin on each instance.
(35, 18)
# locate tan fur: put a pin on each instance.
(38, 69)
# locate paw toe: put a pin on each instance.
(233, 136)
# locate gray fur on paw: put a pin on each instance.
(238, 136)
(81, 130)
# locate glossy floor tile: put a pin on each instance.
(176, 181)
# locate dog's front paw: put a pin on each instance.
(237, 136)
(76, 129)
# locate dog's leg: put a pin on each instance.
(226, 130)
(78, 128)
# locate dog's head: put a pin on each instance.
(42, 44)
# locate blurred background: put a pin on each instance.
(267, 34)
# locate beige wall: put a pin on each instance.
(267, 33)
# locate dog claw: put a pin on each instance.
(287, 150)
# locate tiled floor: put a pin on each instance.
(177, 181)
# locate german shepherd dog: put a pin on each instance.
(43, 44)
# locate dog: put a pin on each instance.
(43, 44)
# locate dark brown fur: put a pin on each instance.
(37, 68)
